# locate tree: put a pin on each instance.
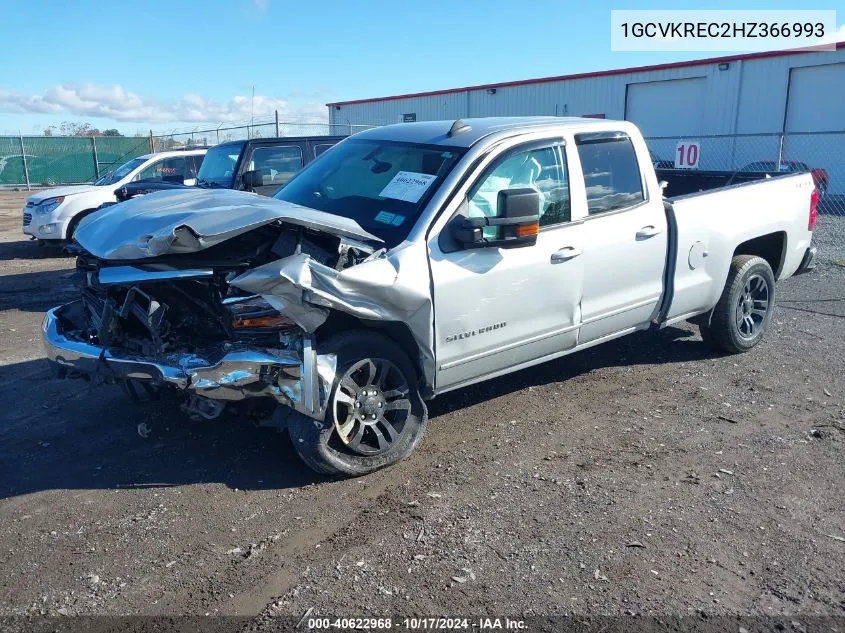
(69, 128)
(48, 131)
(111, 132)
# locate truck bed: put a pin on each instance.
(684, 181)
(707, 226)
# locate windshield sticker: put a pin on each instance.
(408, 186)
(394, 219)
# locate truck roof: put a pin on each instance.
(437, 132)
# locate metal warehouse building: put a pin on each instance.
(783, 105)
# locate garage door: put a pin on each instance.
(817, 104)
(667, 108)
(816, 99)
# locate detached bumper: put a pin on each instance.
(300, 380)
(809, 261)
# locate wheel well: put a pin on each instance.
(74, 222)
(770, 247)
(397, 331)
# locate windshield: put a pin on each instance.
(218, 166)
(121, 172)
(382, 185)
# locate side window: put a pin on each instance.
(319, 149)
(611, 172)
(165, 169)
(538, 169)
(276, 164)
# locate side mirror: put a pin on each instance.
(252, 179)
(517, 222)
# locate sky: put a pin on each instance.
(178, 65)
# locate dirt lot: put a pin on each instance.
(646, 476)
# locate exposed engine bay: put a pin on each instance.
(180, 303)
(178, 320)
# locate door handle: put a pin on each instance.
(566, 253)
(647, 232)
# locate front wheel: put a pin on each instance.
(375, 415)
(744, 310)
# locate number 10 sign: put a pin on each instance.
(687, 154)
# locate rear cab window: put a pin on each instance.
(611, 171)
(322, 147)
(277, 164)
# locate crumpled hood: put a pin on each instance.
(187, 221)
(62, 191)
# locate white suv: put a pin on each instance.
(52, 215)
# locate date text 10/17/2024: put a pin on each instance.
(418, 624)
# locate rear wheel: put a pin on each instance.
(744, 310)
(375, 415)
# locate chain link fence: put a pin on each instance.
(820, 153)
(42, 161)
(52, 160)
(266, 129)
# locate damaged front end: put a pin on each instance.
(155, 324)
(226, 296)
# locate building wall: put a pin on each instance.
(681, 102)
(749, 97)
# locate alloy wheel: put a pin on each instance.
(370, 406)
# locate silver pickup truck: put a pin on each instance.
(411, 260)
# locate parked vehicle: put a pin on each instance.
(52, 215)
(770, 167)
(260, 165)
(412, 260)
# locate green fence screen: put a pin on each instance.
(56, 160)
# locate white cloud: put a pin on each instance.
(835, 37)
(116, 103)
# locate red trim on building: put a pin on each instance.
(600, 73)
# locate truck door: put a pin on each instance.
(624, 238)
(276, 164)
(497, 308)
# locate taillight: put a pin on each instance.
(814, 203)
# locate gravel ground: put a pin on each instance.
(645, 476)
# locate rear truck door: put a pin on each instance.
(276, 164)
(625, 236)
(499, 308)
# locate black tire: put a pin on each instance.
(320, 445)
(744, 310)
